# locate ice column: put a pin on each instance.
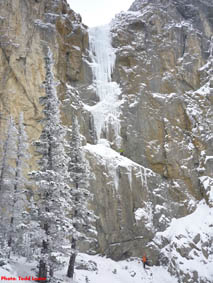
(106, 111)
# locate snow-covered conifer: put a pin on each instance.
(17, 194)
(52, 179)
(13, 200)
(8, 154)
(83, 218)
(7, 176)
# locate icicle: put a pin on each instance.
(103, 60)
(112, 169)
(143, 175)
(129, 174)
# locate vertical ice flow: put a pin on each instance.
(106, 111)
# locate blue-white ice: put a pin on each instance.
(106, 111)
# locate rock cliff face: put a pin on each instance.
(26, 29)
(163, 67)
(147, 92)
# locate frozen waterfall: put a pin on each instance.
(106, 111)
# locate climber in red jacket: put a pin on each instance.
(145, 261)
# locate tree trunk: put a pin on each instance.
(42, 270)
(13, 206)
(9, 243)
(5, 156)
(42, 263)
(2, 173)
(70, 271)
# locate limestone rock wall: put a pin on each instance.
(161, 49)
(26, 29)
(164, 69)
(164, 66)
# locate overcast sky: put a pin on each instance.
(98, 12)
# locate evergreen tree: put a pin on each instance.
(7, 173)
(13, 201)
(52, 180)
(8, 154)
(18, 199)
(82, 216)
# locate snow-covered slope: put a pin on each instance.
(94, 269)
(188, 245)
(127, 271)
(189, 242)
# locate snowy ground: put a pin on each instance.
(18, 267)
(101, 269)
(108, 271)
(128, 271)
